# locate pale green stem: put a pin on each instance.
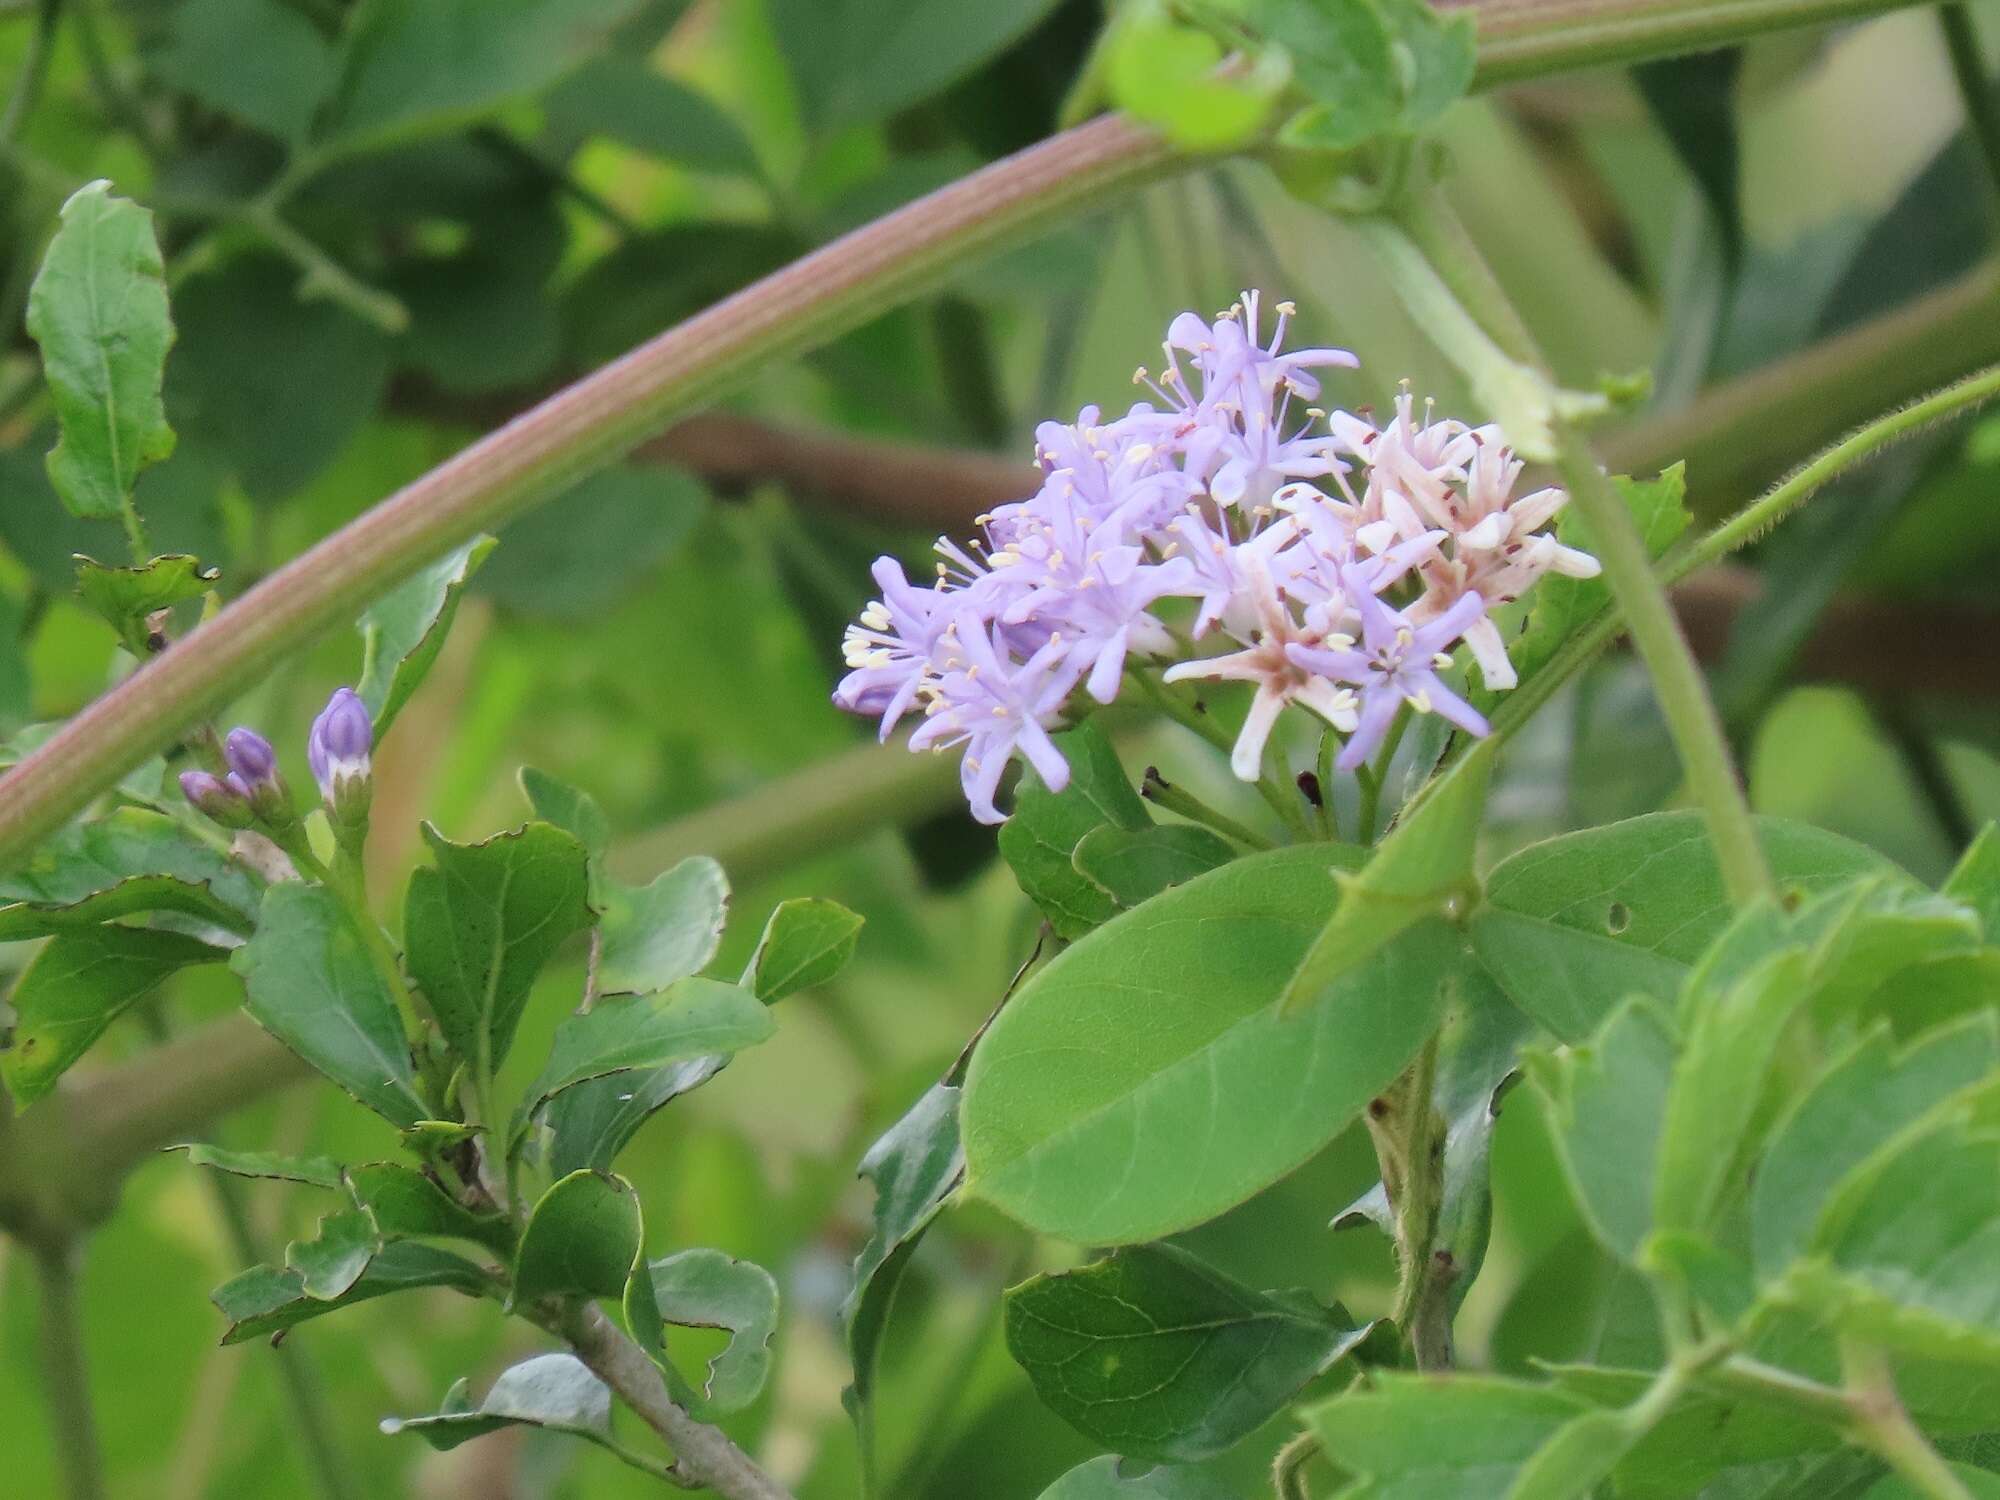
(1881, 1424)
(1178, 799)
(1329, 812)
(325, 276)
(65, 1375)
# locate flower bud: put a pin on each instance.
(338, 750)
(253, 767)
(221, 800)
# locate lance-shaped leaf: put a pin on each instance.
(583, 1238)
(125, 597)
(1410, 1436)
(658, 933)
(1157, 1355)
(1040, 840)
(1109, 1478)
(914, 1166)
(695, 1018)
(1422, 868)
(77, 986)
(1862, 1101)
(268, 1299)
(310, 981)
(98, 308)
(333, 1260)
(403, 632)
(552, 1391)
(1144, 1081)
(805, 943)
(707, 1289)
(479, 926)
(311, 1171)
(133, 860)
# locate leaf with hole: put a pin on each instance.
(311, 1171)
(707, 1289)
(554, 1392)
(127, 597)
(267, 1300)
(332, 1261)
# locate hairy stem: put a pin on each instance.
(72, 1421)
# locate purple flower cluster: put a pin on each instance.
(1234, 491)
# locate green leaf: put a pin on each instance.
(657, 934)
(1860, 1102)
(98, 308)
(1422, 868)
(707, 1289)
(1980, 1484)
(313, 1171)
(1605, 1102)
(1134, 867)
(311, 983)
(805, 943)
(1144, 1081)
(571, 809)
(1039, 841)
(126, 596)
(914, 1167)
(626, 100)
(1343, 60)
(1167, 75)
(1565, 978)
(694, 1018)
(77, 985)
(1102, 1479)
(392, 88)
(328, 1265)
(576, 557)
(582, 1239)
(262, 63)
(1414, 1437)
(591, 1122)
(403, 632)
(1581, 1453)
(130, 861)
(1156, 1355)
(478, 927)
(404, 1202)
(1975, 883)
(555, 1392)
(854, 61)
(266, 1300)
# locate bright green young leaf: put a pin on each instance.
(805, 943)
(1158, 1356)
(1144, 1080)
(657, 934)
(914, 1167)
(78, 984)
(133, 860)
(210, 57)
(1343, 61)
(570, 808)
(1861, 1101)
(1414, 1437)
(1582, 1452)
(582, 1238)
(126, 596)
(404, 1203)
(1039, 841)
(332, 1261)
(266, 1300)
(1421, 869)
(555, 1392)
(98, 308)
(1134, 867)
(479, 926)
(1109, 1478)
(707, 1289)
(695, 1018)
(1980, 1484)
(1605, 1101)
(1975, 883)
(313, 1171)
(1166, 74)
(403, 632)
(626, 100)
(309, 980)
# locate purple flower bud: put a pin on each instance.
(225, 801)
(250, 755)
(338, 750)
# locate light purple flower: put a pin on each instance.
(994, 706)
(891, 648)
(340, 744)
(222, 799)
(250, 756)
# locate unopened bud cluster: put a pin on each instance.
(251, 793)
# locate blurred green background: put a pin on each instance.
(548, 184)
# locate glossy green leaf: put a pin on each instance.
(666, 931)
(313, 1171)
(130, 861)
(591, 1122)
(1107, 1478)
(332, 1261)
(1144, 1080)
(695, 1018)
(1156, 1355)
(98, 308)
(581, 1240)
(1858, 1104)
(1422, 868)
(1975, 882)
(707, 1289)
(77, 985)
(1605, 1101)
(404, 1202)
(266, 1300)
(570, 808)
(403, 632)
(1412, 1437)
(478, 927)
(555, 1392)
(309, 980)
(1132, 867)
(126, 596)
(1040, 839)
(626, 100)
(805, 943)
(260, 62)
